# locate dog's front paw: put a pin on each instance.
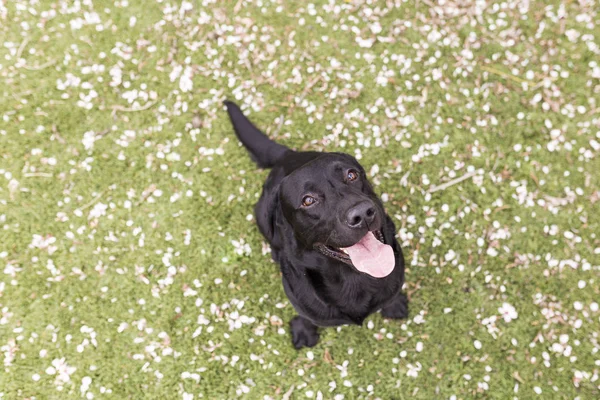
(304, 332)
(397, 309)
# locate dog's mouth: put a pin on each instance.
(370, 255)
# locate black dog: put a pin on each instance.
(329, 233)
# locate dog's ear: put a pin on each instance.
(268, 211)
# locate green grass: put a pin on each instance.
(143, 285)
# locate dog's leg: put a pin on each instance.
(397, 308)
(304, 332)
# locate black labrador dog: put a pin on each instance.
(328, 232)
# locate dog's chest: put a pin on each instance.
(358, 297)
(360, 292)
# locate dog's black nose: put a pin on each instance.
(361, 215)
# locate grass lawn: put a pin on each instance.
(130, 263)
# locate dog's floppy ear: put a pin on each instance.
(268, 211)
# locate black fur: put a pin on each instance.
(324, 290)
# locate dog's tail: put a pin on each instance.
(263, 151)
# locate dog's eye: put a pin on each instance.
(352, 175)
(308, 201)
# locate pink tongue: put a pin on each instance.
(372, 257)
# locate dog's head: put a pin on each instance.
(332, 208)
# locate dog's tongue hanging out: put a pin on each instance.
(372, 257)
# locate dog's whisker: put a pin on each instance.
(329, 237)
